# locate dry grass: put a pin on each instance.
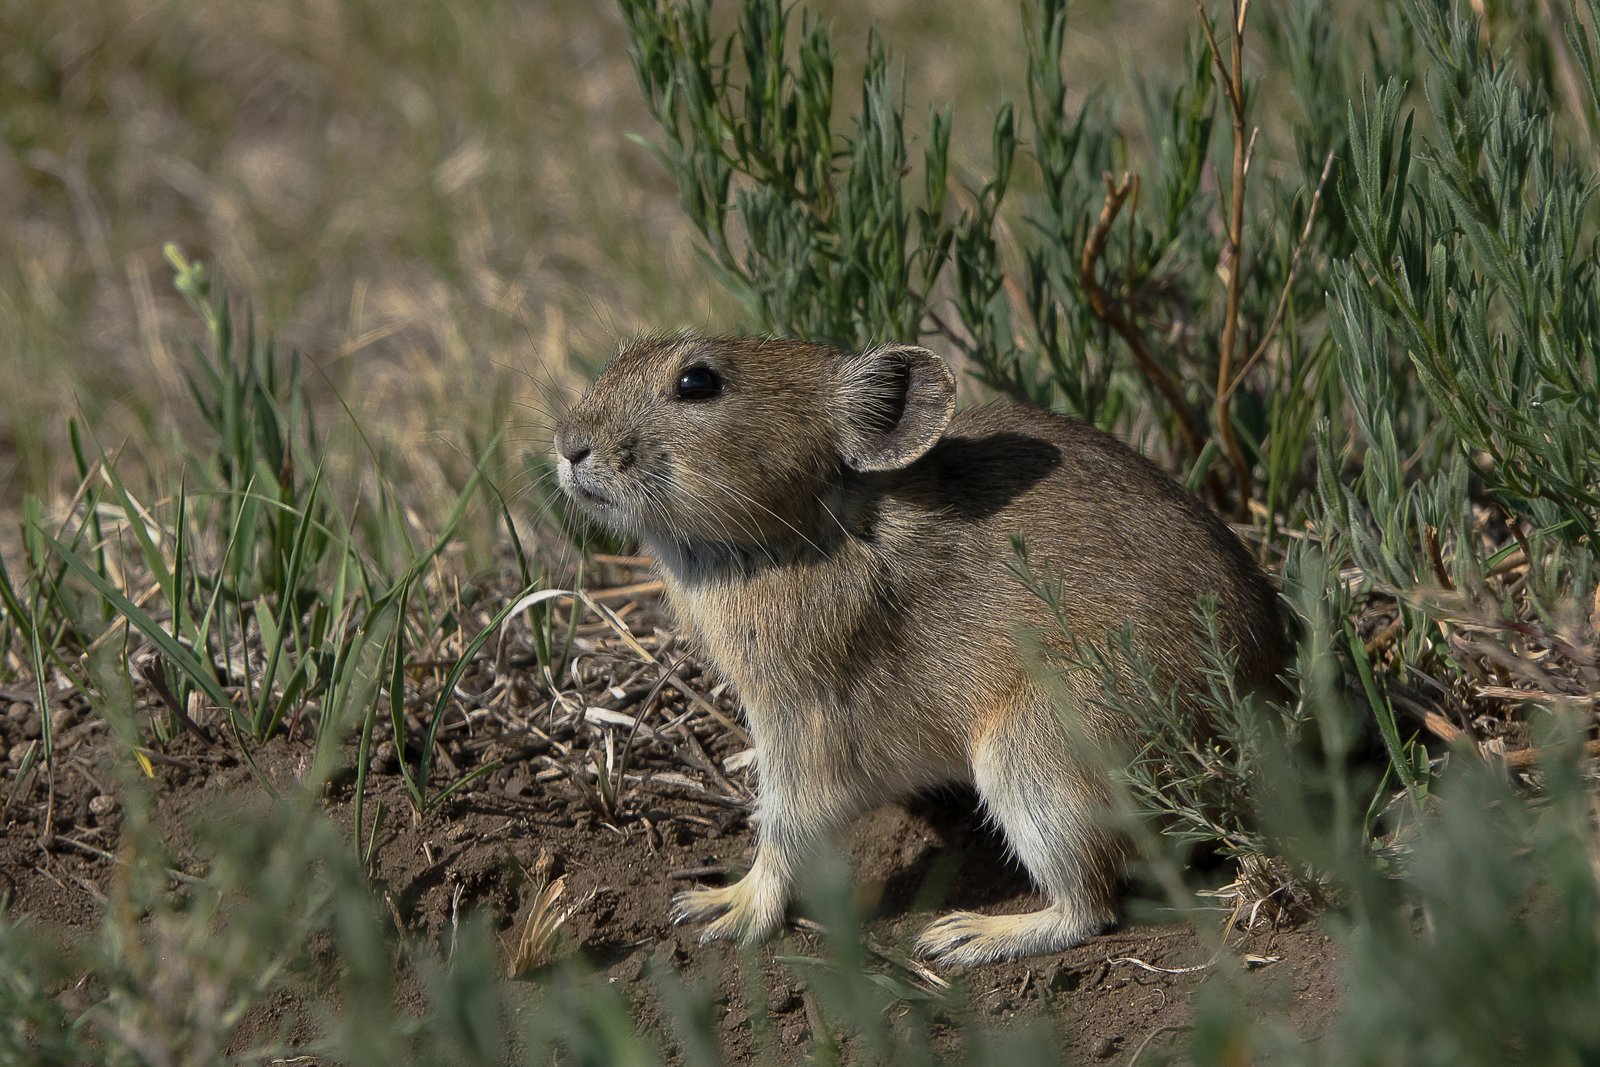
(440, 209)
(538, 944)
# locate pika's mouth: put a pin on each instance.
(574, 485)
(590, 497)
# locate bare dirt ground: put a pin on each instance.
(682, 814)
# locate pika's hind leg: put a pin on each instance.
(803, 802)
(1051, 810)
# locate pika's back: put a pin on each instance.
(1122, 540)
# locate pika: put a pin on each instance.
(839, 542)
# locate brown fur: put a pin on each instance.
(839, 545)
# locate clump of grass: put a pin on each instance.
(258, 600)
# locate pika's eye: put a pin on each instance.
(699, 383)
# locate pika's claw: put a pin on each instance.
(745, 911)
(965, 938)
(943, 938)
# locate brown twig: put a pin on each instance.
(1524, 758)
(1441, 727)
(1536, 696)
(1288, 283)
(1093, 248)
(626, 592)
(1516, 760)
(1232, 81)
(709, 708)
(1518, 560)
(623, 561)
(695, 874)
(694, 754)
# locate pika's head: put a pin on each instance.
(737, 440)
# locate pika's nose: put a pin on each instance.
(574, 448)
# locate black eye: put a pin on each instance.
(698, 383)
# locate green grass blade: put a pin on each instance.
(425, 761)
(397, 703)
(267, 717)
(446, 533)
(1383, 711)
(465, 780)
(203, 631)
(91, 507)
(164, 641)
(28, 626)
(148, 549)
(179, 599)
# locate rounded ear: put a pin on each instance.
(897, 400)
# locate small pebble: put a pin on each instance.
(102, 805)
(1107, 1047)
(18, 751)
(1063, 979)
(629, 970)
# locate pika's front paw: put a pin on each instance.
(745, 911)
(966, 939)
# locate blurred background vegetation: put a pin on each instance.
(439, 205)
(436, 204)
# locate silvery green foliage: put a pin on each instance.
(1465, 326)
(824, 236)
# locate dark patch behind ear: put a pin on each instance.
(897, 401)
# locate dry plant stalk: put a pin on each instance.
(1231, 77)
(538, 944)
(1117, 194)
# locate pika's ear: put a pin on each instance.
(897, 400)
